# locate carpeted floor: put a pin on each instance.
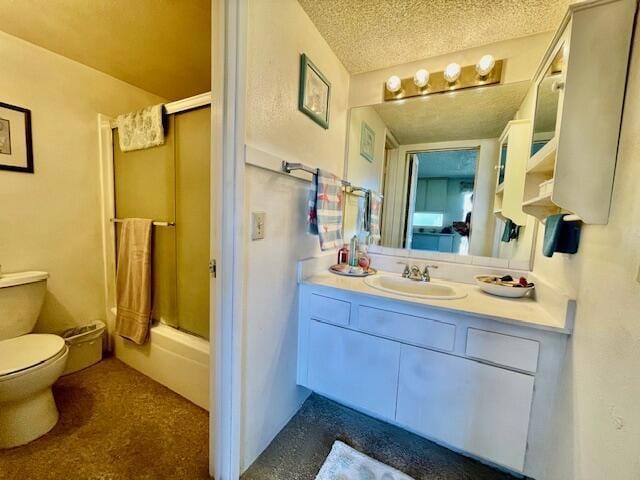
(115, 424)
(299, 450)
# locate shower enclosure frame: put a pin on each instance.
(106, 124)
(189, 356)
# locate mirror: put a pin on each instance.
(547, 99)
(502, 167)
(439, 162)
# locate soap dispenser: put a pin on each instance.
(353, 251)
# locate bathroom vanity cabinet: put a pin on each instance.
(479, 386)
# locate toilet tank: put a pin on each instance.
(21, 298)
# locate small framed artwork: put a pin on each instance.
(367, 142)
(16, 150)
(315, 92)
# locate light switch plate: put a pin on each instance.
(258, 225)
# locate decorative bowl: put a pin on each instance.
(494, 286)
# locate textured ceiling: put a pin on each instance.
(448, 163)
(162, 46)
(463, 115)
(373, 34)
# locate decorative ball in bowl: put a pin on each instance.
(505, 286)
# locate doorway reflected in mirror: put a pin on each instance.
(441, 199)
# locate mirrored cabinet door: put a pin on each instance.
(548, 94)
(503, 162)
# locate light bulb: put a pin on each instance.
(485, 65)
(452, 72)
(421, 78)
(394, 83)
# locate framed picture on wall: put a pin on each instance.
(367, 142)
(16, 150)
(315, 92)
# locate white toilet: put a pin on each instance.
(29, 363)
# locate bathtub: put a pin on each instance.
(176, 359)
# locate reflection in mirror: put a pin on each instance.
(441, 199)
(503, 161)
(439, 163)
(547, 98)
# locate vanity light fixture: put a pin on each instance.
(452, 72)
(485, 65)
(394, 84)
(424, 83)
(421, 78)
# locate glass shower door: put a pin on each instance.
(145, 188)
(171, 183)
(193, 132)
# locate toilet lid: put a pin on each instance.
(27, 351)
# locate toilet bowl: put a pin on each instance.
(29, 363)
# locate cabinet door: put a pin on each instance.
(353, 367)
(468, 405)
(445, 243)
(424, 242)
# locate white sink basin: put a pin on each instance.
(411, 288)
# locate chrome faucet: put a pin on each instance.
(426, 275)
(413, 272)
(407, 271)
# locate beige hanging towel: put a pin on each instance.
(133, 280)
(141, 129)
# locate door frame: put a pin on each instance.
(472, 145)
(228, 87)
(106, 124)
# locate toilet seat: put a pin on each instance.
(28, 351)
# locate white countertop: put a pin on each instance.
(521, 311)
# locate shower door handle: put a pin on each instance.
(212, 268)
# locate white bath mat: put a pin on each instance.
(345, 463)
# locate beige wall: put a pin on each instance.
(51, 220)
(279, 32)
(598, 419)
(522, 57)
(274, 125)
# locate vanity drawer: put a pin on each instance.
(515, 352)
(408, 328)
(329, 310)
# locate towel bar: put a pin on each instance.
(353, 190)
(288, 167)
(155, 224)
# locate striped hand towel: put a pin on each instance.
(325, 209)
(372, 219)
